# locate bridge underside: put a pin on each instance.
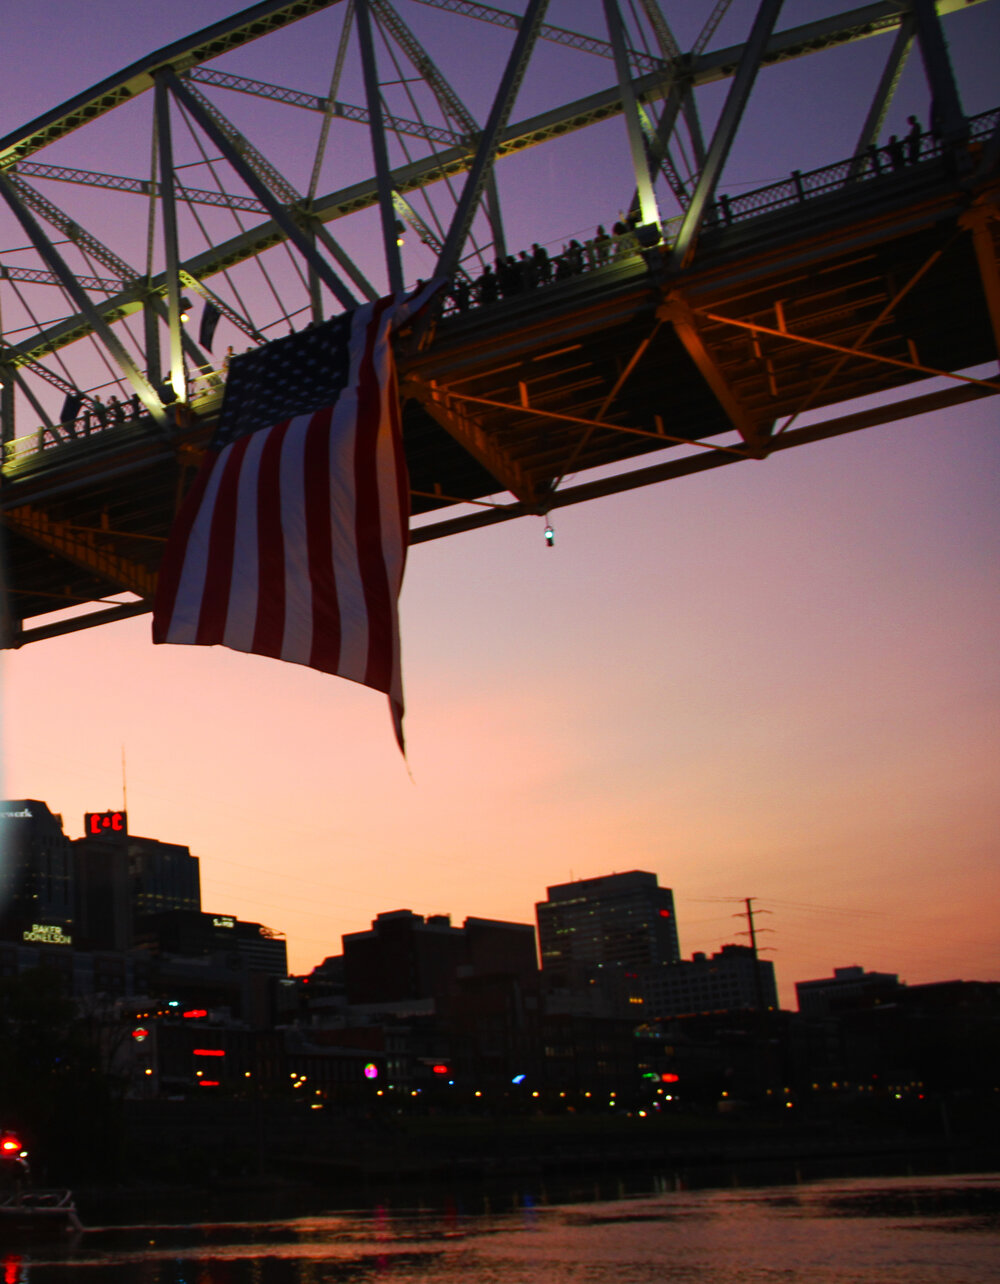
(559, 394)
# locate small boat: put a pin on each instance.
(38, 1210)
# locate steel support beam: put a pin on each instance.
(682, 317)
(885, 92)
(490, 139)
(169, 212)
(861, 354)
(100, 327)
(725, 131)
(648, 210)
(947, 116)
(59, 628)
(981, 221)
(7, 428)
(380, 152)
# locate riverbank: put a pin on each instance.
(283, 1162)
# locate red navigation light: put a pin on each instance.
(440, 1069)
(670, 1078)
(194, 1013)
(208, 1052)
(664, 913)
(10, 1145)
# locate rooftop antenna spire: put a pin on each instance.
(124, 783)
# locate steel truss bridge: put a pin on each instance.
(715, 329)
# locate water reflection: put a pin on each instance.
(904, 1231)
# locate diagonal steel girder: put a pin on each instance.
(725, 131)
(489, 141)
(51, 256)
(380, 150)
(90, 245)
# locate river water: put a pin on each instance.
(935, 1230)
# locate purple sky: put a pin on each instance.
(775, 680)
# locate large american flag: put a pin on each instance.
(292, 539)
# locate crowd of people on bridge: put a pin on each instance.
(530, 269)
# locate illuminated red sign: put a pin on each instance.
(105, 822)
(194, 1014)
(208, 1052)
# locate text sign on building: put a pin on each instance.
(105, 822)
(48, 934)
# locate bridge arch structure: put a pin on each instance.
(714, 320)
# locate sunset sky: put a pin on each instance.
(776, 680)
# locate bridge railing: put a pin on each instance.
(875, 163)
(596, 254)
(97, 421)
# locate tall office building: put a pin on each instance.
(122, 877)
(620, 922)
(36, 874)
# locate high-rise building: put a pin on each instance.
(36, 874)
(618, 922)
(122, 877)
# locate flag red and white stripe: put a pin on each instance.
(292, 540)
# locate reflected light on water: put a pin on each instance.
(904, 1231)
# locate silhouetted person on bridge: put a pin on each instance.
(542, 262)
(602, 245)
(897, 152)
(460, 293)
(101, 411)
(487, 288)
(914, 138)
